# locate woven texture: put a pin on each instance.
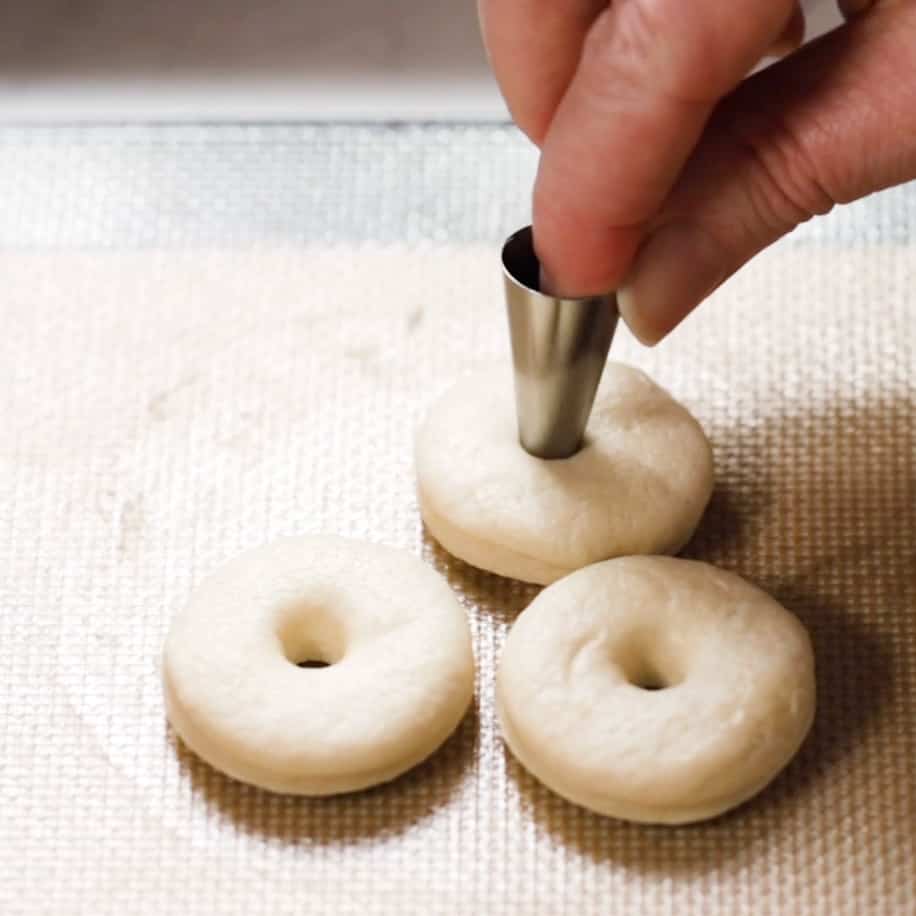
(173, 398)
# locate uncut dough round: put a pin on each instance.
(400, 676)
(639, 484)
(738, 703)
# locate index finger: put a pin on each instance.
(534, 48)
(650, 74)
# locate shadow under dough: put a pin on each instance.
(819, 509)
(387, 809)
(500, 598)
(821, 513)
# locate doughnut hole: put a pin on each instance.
(311, 636)
(648, 660)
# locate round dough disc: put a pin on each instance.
(639, 484)
(655, 689)
(398, 674)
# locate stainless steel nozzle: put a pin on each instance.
(559, 348)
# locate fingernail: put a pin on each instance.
(676, 268)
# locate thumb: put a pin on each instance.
(831, 124)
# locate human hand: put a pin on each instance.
(661, 172)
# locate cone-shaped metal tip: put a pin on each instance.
(559, 348)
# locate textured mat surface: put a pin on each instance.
(179, 387)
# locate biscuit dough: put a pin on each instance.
(655, 689)
(639, 485)
(393, 642)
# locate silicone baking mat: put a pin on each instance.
(212, 337)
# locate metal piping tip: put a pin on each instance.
(559, 348)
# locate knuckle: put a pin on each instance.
(784, 187)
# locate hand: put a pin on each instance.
(661, 172)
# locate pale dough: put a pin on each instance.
(399, 679)
(639, 484)
(736, 673)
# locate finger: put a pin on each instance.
(534, 47)
(828, 125)
(850, 8)
(651, 71)
(792, 35)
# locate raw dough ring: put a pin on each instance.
(737, 673)
(400, 676)
(639, 484)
